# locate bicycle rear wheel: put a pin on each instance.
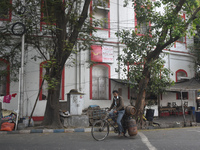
(100, 130)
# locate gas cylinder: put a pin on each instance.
(132, 127)
(130, 110)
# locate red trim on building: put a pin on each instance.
(109, 19)
(8, 76)
(63, 84)
(8, 80)
(177, 51)
(91, 12)
(40, 79)
(108, 66)
(38, 118)
(180, 70)
(42, 15)
(136, 25)
(163, 114)
(10, 14)
(183, 16)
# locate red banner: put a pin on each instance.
(96, 53)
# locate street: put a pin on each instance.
(165, 139)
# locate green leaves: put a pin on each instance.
(169, 20)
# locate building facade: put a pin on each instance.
(97, 81)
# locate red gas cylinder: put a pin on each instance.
(132, 127)
(130, 110)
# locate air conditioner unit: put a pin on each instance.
(184, 78)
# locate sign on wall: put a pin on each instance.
(102, 53)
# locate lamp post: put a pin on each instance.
(19, 29)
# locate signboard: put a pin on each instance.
(107, 54)
(102, 53)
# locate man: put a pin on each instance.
(118, 109)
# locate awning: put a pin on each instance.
(185, 86)
(122, 81)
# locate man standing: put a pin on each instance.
(118, 109)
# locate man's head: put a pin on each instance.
(115, 93)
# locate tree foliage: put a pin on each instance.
(145, 48)
(53, 29)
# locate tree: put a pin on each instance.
(166, 27)
(53, 27)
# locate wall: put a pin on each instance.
(77, 75)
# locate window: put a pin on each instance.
(47, 13)
(184, 95)
(101, 12)
(99, 82)
(44, 91)
(142, 27)
(182, 39)
(4, 78)
(5, 11)
(181, 73)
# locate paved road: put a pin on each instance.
(168, 139)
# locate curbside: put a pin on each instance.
(46, 131)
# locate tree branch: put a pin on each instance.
(155, 54)
(78, 26)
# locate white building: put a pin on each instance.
(99, 80)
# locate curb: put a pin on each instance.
(46, 131)
(71, 130)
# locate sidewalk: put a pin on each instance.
(175, 121)
(159, 123)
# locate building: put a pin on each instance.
(97, 81)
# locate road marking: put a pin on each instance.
(146, 141)
(194, 130)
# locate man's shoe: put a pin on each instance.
(124, 134)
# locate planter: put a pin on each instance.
(149, 114)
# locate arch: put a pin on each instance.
(178, 71)
(184, 74)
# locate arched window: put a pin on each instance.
(44, 91)
(181, 73)
(4, 77)
(100, 82)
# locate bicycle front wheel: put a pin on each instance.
(100, 130)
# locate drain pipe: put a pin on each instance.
(76, 69)
(80, 87)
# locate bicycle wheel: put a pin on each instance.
(100, 130)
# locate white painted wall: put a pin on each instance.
(77, 76)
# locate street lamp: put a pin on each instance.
(19, 29)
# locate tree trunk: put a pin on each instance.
(140, 102)
(64, 46)
(52, 116)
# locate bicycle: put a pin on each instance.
(100, 128)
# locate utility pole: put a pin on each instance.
(22, 74)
